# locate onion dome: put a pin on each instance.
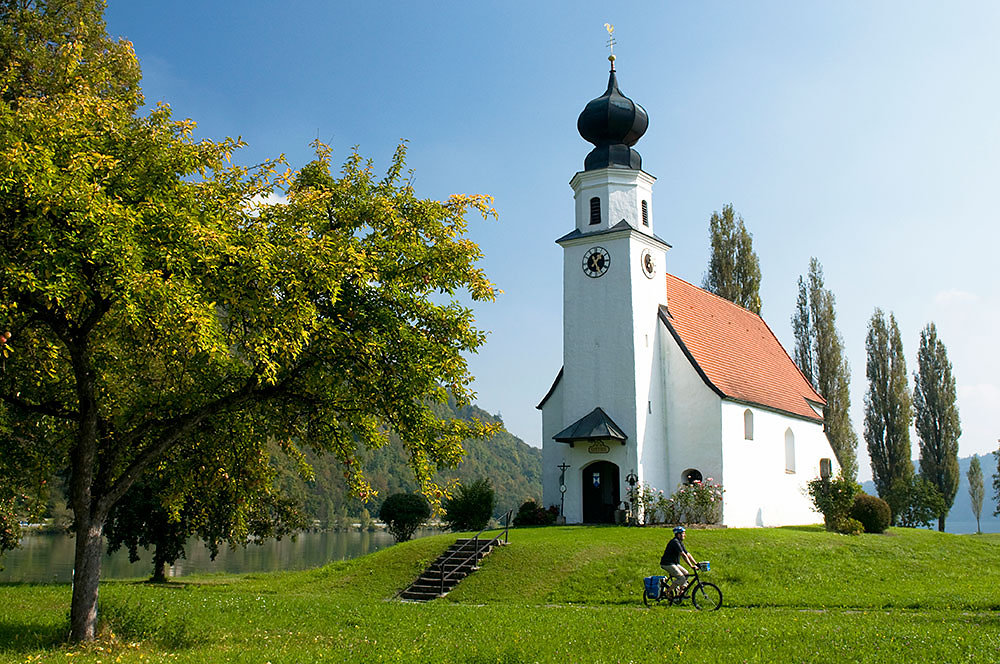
(613, 123)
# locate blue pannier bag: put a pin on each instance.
(653, 586)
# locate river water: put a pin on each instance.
(48, 558)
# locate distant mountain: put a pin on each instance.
(960, 518)
(513, 466)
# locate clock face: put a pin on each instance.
(596, 262)
(648, 263)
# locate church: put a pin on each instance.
(664, 383)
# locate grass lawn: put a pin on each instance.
(569, 594)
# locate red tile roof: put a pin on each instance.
(735, 351)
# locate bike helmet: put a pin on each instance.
(678, 530)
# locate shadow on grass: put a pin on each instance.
(18, 636)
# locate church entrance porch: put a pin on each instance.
(600, 492)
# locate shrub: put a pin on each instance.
(848, 526)
(919, 502)
(403, 513)
(873, 513)
(699, 502)
(531, 513)
(833, 499)
(471, 507)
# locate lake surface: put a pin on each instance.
(48, 558)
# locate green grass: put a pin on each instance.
(558, 594)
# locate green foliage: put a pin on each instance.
(154, 303)
(919, 500)
(819, 354)
(471, 506)
(936, 418)
(403, 513)
(139, 619)
(888, 412)
(733, 269)
(849, 526)
(872, 512)
(531, 513)
(976, 490)
(834, 499)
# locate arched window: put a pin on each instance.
(595, 210)
(645, 213)
(692, 475)
(789, 451)
(748, 424)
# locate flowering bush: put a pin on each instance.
(700, 502)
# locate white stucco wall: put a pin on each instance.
(759, 490)
(621, 191)
(693, 421)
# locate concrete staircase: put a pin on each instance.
(459, 561)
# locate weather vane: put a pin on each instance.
(611, 43)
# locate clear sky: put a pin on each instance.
(862, 133)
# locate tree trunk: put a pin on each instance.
(159, 570)
(86, 576)
(941, 523)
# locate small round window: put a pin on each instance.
(692, 475)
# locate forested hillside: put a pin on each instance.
(513, 466)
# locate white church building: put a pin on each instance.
(663, 382)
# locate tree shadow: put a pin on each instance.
(22, 636)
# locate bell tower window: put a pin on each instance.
(645, 213)
(595, 210)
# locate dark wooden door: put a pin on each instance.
(600, 492)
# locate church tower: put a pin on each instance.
(603, 410)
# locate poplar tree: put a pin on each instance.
(976, 490)
(819, 353)
(936, 418)
(733, 269)
(888, 412)
(996, 484)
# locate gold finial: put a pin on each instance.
(611, 43)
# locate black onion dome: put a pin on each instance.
(613, 123)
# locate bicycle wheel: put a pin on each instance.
(706, 597)
(646, 598)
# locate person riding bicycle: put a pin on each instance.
(671, 561)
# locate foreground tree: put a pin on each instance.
(733, 269)
(888, 412)
(996, 483)
(819, 354)
(150, 300)
(976, 490)
(936, 418)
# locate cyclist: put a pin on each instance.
(671, 562)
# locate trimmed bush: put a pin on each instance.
(403, 513)
(531, 513)
(471, 507)
(848, 526)
(873, 513)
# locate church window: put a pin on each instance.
(595, 210)
(692, 475)
(645, 213)
(789, 451)
(748, 424)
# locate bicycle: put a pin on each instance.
(704, 595)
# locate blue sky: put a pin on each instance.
(865, 134)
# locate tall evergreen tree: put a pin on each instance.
(936, 418)
(976, 490)
(733, 269)
(819, 353)
(888, 411)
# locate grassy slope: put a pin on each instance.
(561, 594)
